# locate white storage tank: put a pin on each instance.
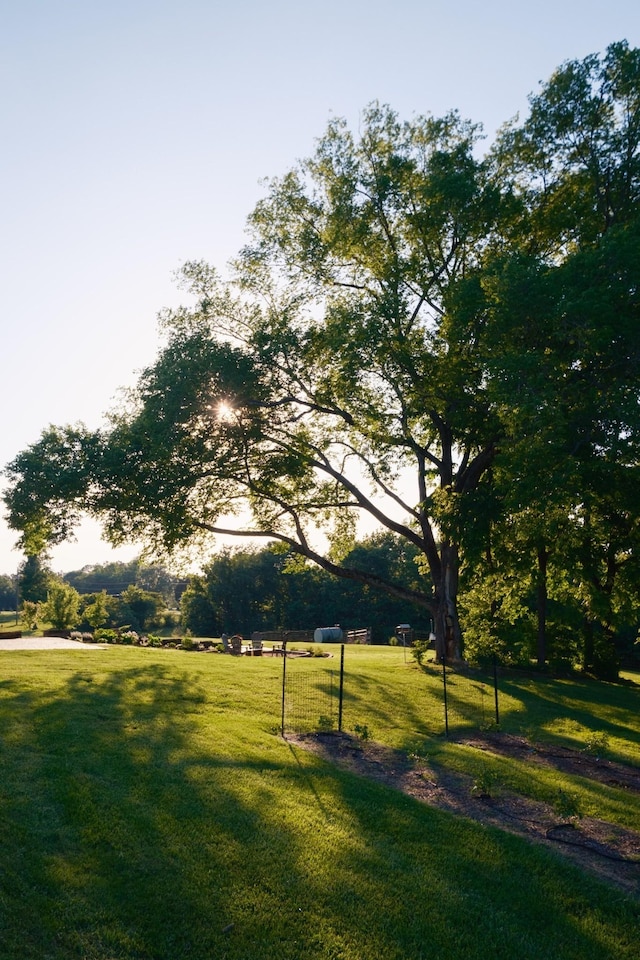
(327, 634)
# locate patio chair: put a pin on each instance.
(235, 646)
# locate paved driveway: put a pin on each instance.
(48, 643)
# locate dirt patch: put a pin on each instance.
(607, 850)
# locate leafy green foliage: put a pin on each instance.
(30, 613)
(34, 577)
(96, 613)
(62, 607)
(116, 576)
(245, 590)
(7, 593)
(442, 344)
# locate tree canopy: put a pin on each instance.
(414, 335)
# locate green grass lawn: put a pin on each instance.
(150, 810)
(8, 620)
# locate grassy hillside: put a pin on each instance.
(150, 810)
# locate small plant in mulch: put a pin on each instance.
(362, 731)
(487, 784)
(567, 806)
(325, 724)
(597, 744)
(418, 753)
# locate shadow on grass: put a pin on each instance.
(551, 707)
(140, 822)
(115, 844)
(374, 700)
(569, 711)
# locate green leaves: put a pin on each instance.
(440, 344)
(575, 162)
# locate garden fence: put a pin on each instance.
(313, 695)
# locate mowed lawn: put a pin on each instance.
(150, 809)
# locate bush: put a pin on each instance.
(419, 650)
(62, 606)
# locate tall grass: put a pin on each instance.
(150, 810)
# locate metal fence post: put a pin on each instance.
(495, 688)
(446, 709)
(341, 691)
(284, 678)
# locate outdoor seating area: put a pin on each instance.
(254, 646)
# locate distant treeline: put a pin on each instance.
(269, 589)
(247, 590)
(244, 590)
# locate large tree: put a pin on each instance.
(403, 315)
(299, 396)
(569, 367)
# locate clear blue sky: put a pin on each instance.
(135, 134)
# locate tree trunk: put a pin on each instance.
(588, 643)
(542, 605)
(445, 612)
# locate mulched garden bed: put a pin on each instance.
(610, 851)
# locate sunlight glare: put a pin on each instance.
(224, 411)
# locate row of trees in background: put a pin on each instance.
(8, 593)
(443, 343)
(238, 592)
(271, 588)
(248, 590)
(115, 595)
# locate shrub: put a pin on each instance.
(567, 805)
(315, 652)
(362, 731)
(62, 606)
(419, 650)
(597, 744)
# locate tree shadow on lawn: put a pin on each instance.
(601, 709)
(119, 847)
(406, 705)
(460, 891)
(414, 701)
(139, 823)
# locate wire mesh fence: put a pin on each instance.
(469, 696)
(310, 698)
(459, 697)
